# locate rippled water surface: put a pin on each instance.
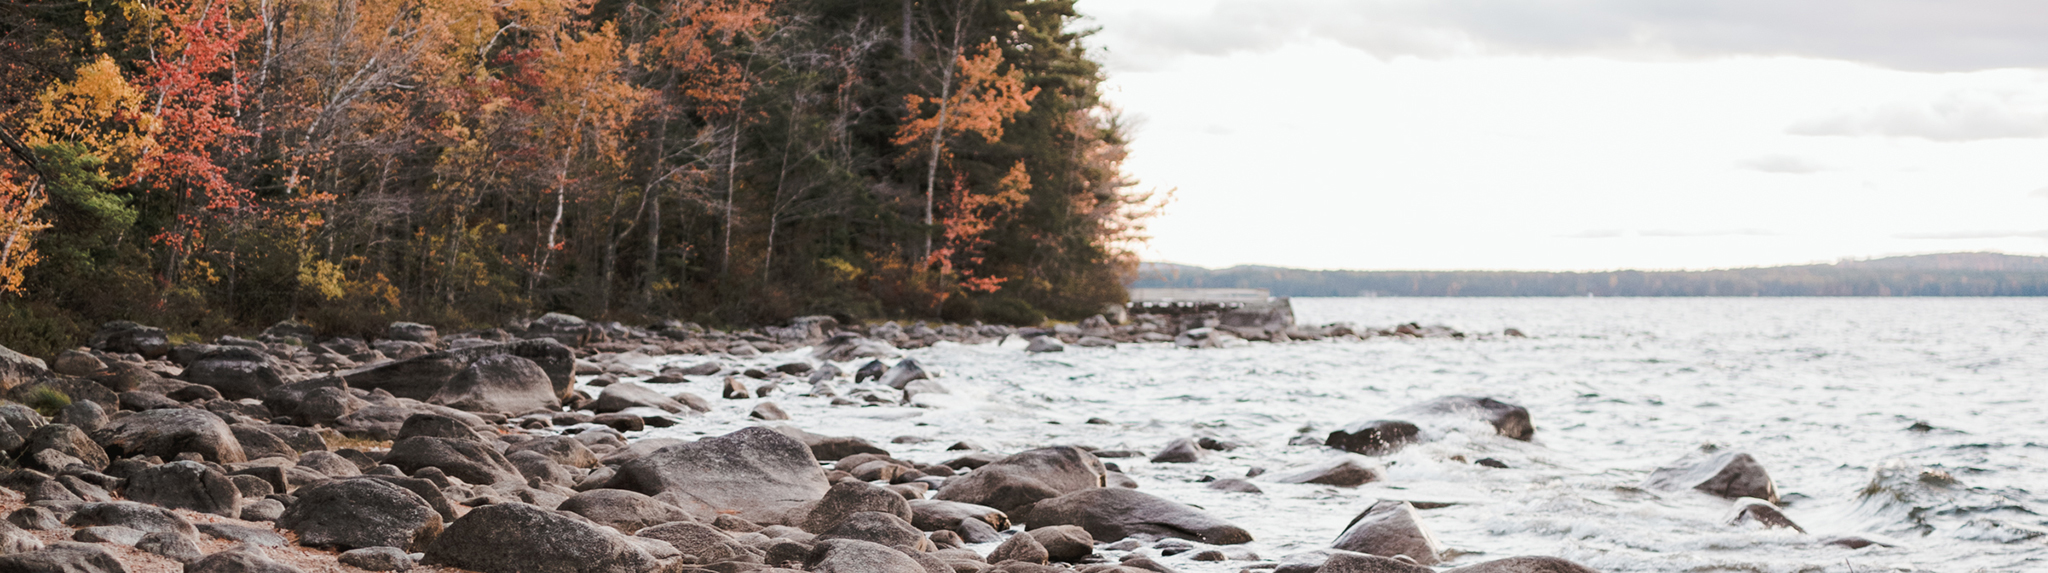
(1822, 391)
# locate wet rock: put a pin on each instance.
(855, 556)
(845, 346)
(1854, 541)
(521, 538)
(1117, 513)
(124, 337)
(1351, 562)
(1234, 485)
(499, 383)
(735, 389)
(1507, 419)
(903, 372)
(1064, 543)
(625, 395)
(623, 510)
(1027, 477)
(70, 441)
(63, 557)
(1374, 437)
(848, 497)
(360, 512)
(1389, 528)
(467, 460)
(1752, 510)
(768, 411)
(1043, 344)
(1020, 547)
(1179, 451)
(377, 559)
(1728, 474)
(237, 372)
(167, 433)
(1524, 565)
(873, 370)
(1341, 472)
(935, 515)
(755, 473)
(186, 485)
(239, 560)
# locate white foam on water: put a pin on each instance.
(1820, 390)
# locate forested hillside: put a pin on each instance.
(203, 164)
(1951, 274)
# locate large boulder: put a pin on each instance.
(63, 557)
(708, 543)
(848, 497)
(1507, 419)
(551, 356)
(623, 510)
(625, 395)
(856, 556)
(876, 527)
(361, 512)
(416, 378)
(1728, 474)
(1388, 528)
(413, 332)
(77, 389)
(756, 473)
(68, 440)
(122, 337)
(934, 515)
(318, 401)
(132, 515)
(185, 485)
(237, 372)
(167, 433)
(467, 460)
(1374, 437)
(1118, 513)
(1027, 477)
(499, 383)
(521, 538)
(17, 368)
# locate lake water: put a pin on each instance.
(1822, 391)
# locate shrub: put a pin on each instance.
(46, 401)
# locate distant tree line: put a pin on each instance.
(1920, 276)
(211, 164)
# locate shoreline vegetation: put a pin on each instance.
(215, 167)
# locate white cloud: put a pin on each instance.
(1781, 163)
(1933, 35)
(1968, 235)
(1962, 115)
(2041, 193)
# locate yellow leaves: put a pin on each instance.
(323, 277)
(18, 227)
(98, 109)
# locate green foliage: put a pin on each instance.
(46, 400)
(1007, 310)
(38, 329)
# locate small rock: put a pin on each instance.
(768, 411)
(1179, 451)
(176, 547)
(377, 559)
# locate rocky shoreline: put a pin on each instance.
(482, 452)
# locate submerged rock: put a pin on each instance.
(1374, 437)
(1507, 419)
(1730, 474)
(1118, 513)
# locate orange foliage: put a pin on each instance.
(984, 100)
(19, 202)
(196, 96)
(696, 45)
(970, 216)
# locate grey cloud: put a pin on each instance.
(1928, 35)
(1779, 163)
(1954, 235)
(1964, 115)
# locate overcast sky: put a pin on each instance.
(1583, 134)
